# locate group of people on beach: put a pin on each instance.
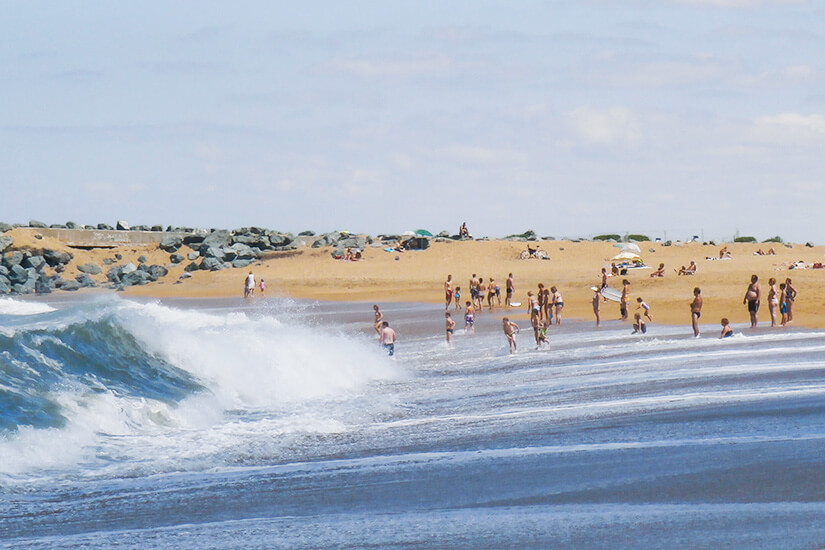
(249, 286)
(780, 300)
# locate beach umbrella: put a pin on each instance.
(408, 234)
(422, 233)
(631, 247)
(626, 256)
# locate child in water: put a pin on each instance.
(510, 331)
(469, 317)
(639, 325)
(726, 330)
(643, 305)
(450, 326)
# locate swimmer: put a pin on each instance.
(510, 331)
(726, 330)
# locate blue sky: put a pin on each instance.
(572, 118)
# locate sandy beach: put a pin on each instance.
(418, 276)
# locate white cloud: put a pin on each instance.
(790, 127)
(469, 153)
(402, 66)
(616, 125)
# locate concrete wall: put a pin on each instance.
(96, 238)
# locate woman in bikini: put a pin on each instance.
(533, 308)
(558, 303)
(773, 300)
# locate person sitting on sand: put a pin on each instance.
(399, 246)
(614, 270)
(510, 331)
(659, 272)
(691, 269)
(727, 332)
(463, 232)
(639, 326)
(531, 252)
(725, 253)
(681, 271)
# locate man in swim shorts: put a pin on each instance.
(388, 338)
(511, 288)
(752, 297)
(450, 326)
(448, 291)
(469, 316)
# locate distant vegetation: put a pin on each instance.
(776, 239)
(638, 238)
(529, 234)
(745, 240)
(607, 237)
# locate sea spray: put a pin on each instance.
(113, 381)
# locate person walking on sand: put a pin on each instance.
(558, 303)
(696, 310)
(625, 299)
(790, 297)
(450, 326)
(448, 291)
(773, 300)
(753, 296)
(378, 318)
(387, 338)
(597, 305)
(262, 287)
(249, 285)
(510, 289)
(510, 331)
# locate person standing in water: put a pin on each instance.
(790, 298)
(387, 338)
(511, 288)
(378, 318)
(249, 285)
(696, 310)
(625, 300)
(448, 291)
(752, 297)
(450, 326)
(597, 305)
(510, 331)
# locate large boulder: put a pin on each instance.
(280, 240)
(155, 272)
(37, 224)
(211, 264)
(85, 280)
(5, 227)
(104, 227)
(18, 274)
(71, 286)
(56, 257)
(71, 225)
(46, 284)
(176, 258)
(122, 226)
(91, 269)
(171, 243)
(138, 277)
(242, 262)
(217, 239)
(244, 252)
(13, 258)
(117, 273)
(36, 262)
(5, 285)
(5, 242)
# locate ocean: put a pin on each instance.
(272, 423)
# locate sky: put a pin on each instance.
(669, 118)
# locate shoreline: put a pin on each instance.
(418, 276)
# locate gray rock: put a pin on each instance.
(122, 226)
(18, 274)
(257, 240)
(56, 257)
(211, 251)
(280, 240)
(156, 272)
(156, 228)
(140, 228)
(118, 257)
(91, 269)
(218, 239)
(108, 261)
(85, 280)
(70, 286)
(35, 223)
(176, 258)
(239, 262)
(5, 242)
(36, 262)
(141, 259)
(57, 226)
(46, 285)
(244, 252)
(4, 270)
(192, 266)
(211, 264)
(105, 227)
(71, 225)
(5, 285)
(171, 243)
(228, 253)
(135, 278)
(5, 227)
(185, 276)
(194, 255)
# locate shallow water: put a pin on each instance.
(280, 424)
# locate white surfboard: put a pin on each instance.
(612, 294)
(515, 304)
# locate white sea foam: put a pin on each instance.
(9, 306)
